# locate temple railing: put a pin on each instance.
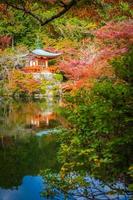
(39, 69)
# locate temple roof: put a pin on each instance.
(41, 52)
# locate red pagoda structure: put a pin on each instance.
(37, 61)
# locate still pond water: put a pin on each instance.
(27, 146)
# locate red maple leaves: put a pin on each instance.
(110, 41)
(117, 31)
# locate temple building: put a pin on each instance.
(37, 62)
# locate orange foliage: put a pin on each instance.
(31, 69)
(21, 82)
(38, 69)
(86, 12)
(67, 87)
(53, 69)
(3, 8)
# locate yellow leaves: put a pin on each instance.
(86, 151)
(131, 170)
(66, 168)
(92, 158)
(66, 44)
(97, 162)
(92, 25)
(65, 148)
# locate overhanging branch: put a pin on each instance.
(62, 12)
(65, 8)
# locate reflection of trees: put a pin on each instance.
(12, 117)
(76, 186)
(25, 157)
(19, 116)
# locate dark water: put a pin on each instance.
(27, 146)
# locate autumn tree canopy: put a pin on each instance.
(32, 8)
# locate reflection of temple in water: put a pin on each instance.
(42, 119)
(23, 119)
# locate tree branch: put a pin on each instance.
(26, 11)
(66, 7)
(62, 12)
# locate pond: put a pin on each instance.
(28, 146)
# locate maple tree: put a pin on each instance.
(116, 31)
(110, 41)
(61, 6)
(98, 141)
(90, 34)
(26, 7)
(21, 82)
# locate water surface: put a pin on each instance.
(27, 146)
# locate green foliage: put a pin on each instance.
(20, 27)
(58, 77)
(131, 174)
(102, 122)
(99, 140)
(116, 11)
(124, 6)
(42, 87)
(72, 27)
(54, 180)
(25, 28)
(123, 67)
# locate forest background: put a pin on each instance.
(96, 40)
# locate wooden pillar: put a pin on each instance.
(36, 62)
(31, 62)
(47, 120)
(46, 63)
